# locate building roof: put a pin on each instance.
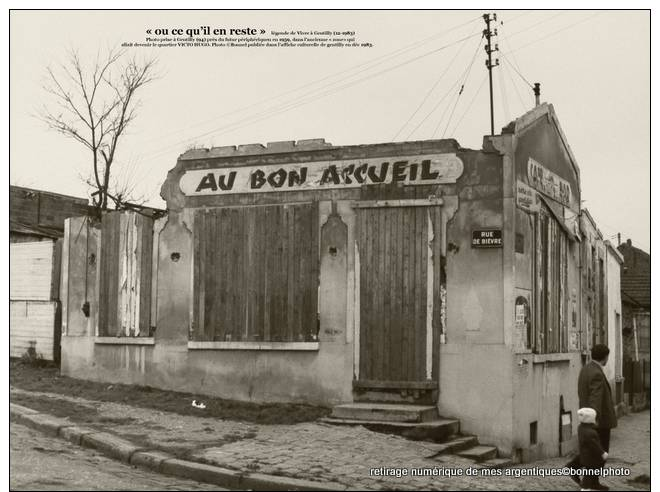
(42, 213)
(521, 123)
(33, 191)
(35, 230)
(637, 288)
(636, 275)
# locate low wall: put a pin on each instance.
(320, 377)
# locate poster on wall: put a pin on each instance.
(526, 197)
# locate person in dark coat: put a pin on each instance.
(594, 392)
(592, 454)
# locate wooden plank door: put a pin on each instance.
(399, 295)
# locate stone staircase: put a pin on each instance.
(418, 423)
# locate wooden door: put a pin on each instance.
(400, 277)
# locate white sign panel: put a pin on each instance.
(548, 183)
(426, 169)
(526, 197)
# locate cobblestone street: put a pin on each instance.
(344, 455)
(39, 462)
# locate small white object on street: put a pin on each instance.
(198, 405)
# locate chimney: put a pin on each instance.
(629, 242)
(537, 93)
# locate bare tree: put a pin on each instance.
(94, 106)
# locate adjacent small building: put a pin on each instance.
(36, 229)
(601, 301)
(418, 272)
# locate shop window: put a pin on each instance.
(256, 274)
(125, 275)
(550, 292)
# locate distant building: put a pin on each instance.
(36, 229)
(601, 300)
(636, 302)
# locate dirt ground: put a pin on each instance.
(47, 378)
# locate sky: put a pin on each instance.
(593, 66)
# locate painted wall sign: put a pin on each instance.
(409, 170)
(491, 238)
(548, 183)
(526, 197)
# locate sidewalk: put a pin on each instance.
(317, 452)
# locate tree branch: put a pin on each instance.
(97, 118)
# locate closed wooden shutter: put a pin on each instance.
(256, 273)
(125, 283)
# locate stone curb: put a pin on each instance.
(201, 473)
(40, 421)
(158, 461)
(110, 445)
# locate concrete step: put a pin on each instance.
(438, 430)
(455, 444)
(479, 453)
(385, 412)
(496, 463)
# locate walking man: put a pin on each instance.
(594, 392)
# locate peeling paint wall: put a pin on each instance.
(473, 360)
(484, 354)
(79, 281)
(614, 366)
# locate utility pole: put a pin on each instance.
(489, 62)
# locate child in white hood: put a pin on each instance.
(592, 455)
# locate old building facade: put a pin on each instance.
(306, 272)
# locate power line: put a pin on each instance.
(449, 91)
(288, 106)
(556, 32)
(431, 90)
(460, 92)
(508, 44)
(516, 70)
(373, 62)
(458, 81)
(474, 98)
(515, 87)
(276, 109)
(513, 19)
(543, 21)
(505, 106)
